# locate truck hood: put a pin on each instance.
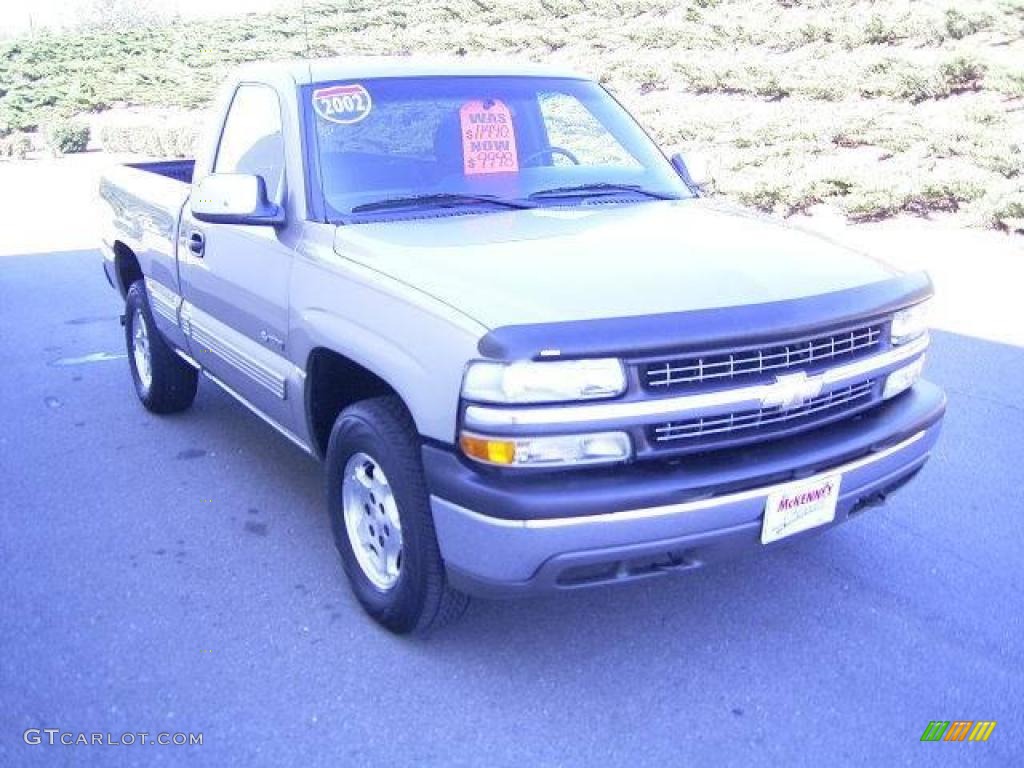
(560, 264)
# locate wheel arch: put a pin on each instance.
(390, 348)
(126, 267)
(335, 381)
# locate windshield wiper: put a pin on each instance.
(440, 199)
(598, 188)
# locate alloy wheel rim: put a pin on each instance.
(371, 521)
(140, 350)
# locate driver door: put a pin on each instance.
(235, 278)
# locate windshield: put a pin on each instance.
(387, 145)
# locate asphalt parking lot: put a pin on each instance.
(177, 574)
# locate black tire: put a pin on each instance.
(420, 599)
(173, 382)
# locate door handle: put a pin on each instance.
(197, 243)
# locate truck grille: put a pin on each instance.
(693, 372)
(706, 432)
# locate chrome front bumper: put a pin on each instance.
(501, 555)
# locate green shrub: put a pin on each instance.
(962, 73)
(155, 140)
(764, 195)
(878, 32)
(16, 146)
(1010, 215)
(1002, 209)
(899, 78)
(825, 90)
(905, 79)
(872, 203)
(1009, 83)
(68, 137)
(20, 145)
(813, 33)
(958, 26)
(780, 195)
(999, 156)
(948, 194)
(915, 86)
(767, 85)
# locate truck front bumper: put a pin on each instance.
(504, 535)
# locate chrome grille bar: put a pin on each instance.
(737, 423)
(755, 362)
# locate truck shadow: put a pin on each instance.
(871, 570)
(881, 571)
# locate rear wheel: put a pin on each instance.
(381, 518)
(163, 381)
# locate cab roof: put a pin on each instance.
(304, 71)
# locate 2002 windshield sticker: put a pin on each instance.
(342, 104)
(488, 138)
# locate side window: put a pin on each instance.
(572, 127)
(252, 141)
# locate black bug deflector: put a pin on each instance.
(705, 329)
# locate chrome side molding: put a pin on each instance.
(202, 333)
(163, 300)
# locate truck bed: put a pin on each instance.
(179, 170)
(145, 202)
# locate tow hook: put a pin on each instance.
(876, 499)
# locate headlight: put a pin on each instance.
(903, 378)
(556, 381)
(547, 451)
(909, 323)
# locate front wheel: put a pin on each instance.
(163, 381)
(381, 519)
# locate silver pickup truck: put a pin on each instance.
(531, 354)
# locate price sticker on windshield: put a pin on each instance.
(488, 138)
(342, 104)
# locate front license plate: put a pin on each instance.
(800, 506)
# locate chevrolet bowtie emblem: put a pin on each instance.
(791, 391)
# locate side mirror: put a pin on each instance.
(235, 198)
(694, 171)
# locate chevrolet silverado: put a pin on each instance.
(530, 352)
